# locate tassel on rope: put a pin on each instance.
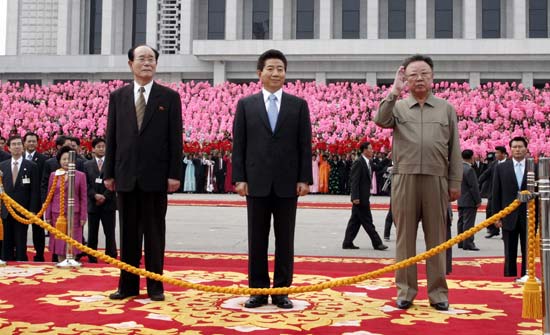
(532, 298)
(61, 222)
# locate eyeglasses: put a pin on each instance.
(422, 75)
(151, 60)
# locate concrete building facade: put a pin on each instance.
(471, 41)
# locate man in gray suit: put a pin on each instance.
(469, 200)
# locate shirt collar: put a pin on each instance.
(522, 162)
(411, 100)
(29, 153)
(278, 94)
(19, 161)
(147, 88)
(366, 159)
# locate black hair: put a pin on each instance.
(518, 139)
(501, 149)
(60, 140)
(270, 54)
(131, 52)
(97, 140)
(364, 146)
(61, 151)
(30, 133)
(467, 154)
(419, 58)
(74, 139)
(14, 137)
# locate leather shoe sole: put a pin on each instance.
(119, 296)
(157, 297)
(491, 235)
(381, 247)
(441, 306)
(350, 247)
(404, 304)
(282, 302)
(472, 248)
(256, 301)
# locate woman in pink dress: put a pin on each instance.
(56, 246)
(314, 188)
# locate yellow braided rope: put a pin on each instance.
(264, 291)
(532, 299)
(47, 202)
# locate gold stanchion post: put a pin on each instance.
(69, 261)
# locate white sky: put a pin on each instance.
(3, 11)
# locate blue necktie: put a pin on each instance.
(272, 111)
(519, 175)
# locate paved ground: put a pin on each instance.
(318, 231)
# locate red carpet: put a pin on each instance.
(301, 204)
(41, 299)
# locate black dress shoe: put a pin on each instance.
(441, 306)
(349, 246)
(119, 295)
(38, 258)
(460, 246)
(472, 248)
(404, 304)
(281, 301)
(491, 234)
(157, 297)
(381, 247)
(256, 301)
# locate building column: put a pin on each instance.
(469, 15)
(321, 78)
(475, 79)
(186, 26)
(12, 26)
(421, 21)
(219, 72)
(233, 19)
(527, 79)
(371, 78)
(112, 21)
(519, 23)
(151, 24)
(325, 18)
(63, 27)
(372, 19)
(278, 18)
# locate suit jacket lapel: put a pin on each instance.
(151, 106)
(263, 112)
(284, 110)
(8, 184)
(129, 101)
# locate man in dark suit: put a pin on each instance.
(101, 202)
(219, 172)
(272, 168)
(361, 183)
(30, 142)
(143, 163)
(3, 155)
(469, 201)
(486, 186)
(478, 166)
(20, 178)
(509, 178)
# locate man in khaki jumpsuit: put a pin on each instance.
(426, 175)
